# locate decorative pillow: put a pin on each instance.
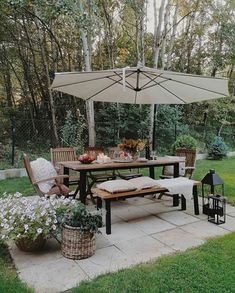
(43, 169)
(144, 182)
(118, 185)
(169, 170)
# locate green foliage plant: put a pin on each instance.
(79, 216)
(185, 142)
(218, 148)
(72, 132)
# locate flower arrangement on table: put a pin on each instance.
(132, 146)
(29, 221)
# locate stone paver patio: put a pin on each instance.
(143, 229)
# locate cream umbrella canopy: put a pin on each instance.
(140, 85)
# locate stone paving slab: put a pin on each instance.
(178, 218)
(142, 230)
(178, 239)
(152, 224)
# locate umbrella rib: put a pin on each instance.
(101, 91)
(78, 82)
(172, 93)
(181, 82)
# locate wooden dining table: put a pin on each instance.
(114, 165)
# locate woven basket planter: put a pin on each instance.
(30, 245)
(77, 245)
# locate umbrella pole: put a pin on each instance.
(154, 128)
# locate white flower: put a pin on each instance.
(39, 230)
(18, 194)
(53, 227)
(26, 227)
(6, 226)
(55, 221)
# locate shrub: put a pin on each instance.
(218, 148)
(185, 142)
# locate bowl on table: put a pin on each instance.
(86, 159)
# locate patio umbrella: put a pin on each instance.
(140, 85)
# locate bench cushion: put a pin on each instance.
(118, 185)
(144, 182)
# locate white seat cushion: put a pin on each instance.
(118, 185)
(43, 169)
(169, 170)
(144, 182)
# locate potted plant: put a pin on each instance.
(185, 142)
(218, 148)
(78, 232)
(29, 221)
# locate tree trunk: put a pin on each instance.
(172, 39)
(45, 63)
(166, 24)
(87, 61)
(157, 31)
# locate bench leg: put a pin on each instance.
(176, 200)
(183, 203)
(195, 200)
(108, 216)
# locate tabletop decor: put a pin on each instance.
(78, 232)
(132, 146)
(86, 159)
(29, 222)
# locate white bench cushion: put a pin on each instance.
(144, 182)
(118, 185)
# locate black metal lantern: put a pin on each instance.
(216, 187)
(216, 209)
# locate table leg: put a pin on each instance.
(176, 170)
(151, 172)
(195, 199)
(108, 216)
(83, 186)
(66, 180)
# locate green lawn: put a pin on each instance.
(208, 268)
(225, 169)
(9, 282)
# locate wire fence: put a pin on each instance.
(23, 135)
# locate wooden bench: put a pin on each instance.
(108, 197)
